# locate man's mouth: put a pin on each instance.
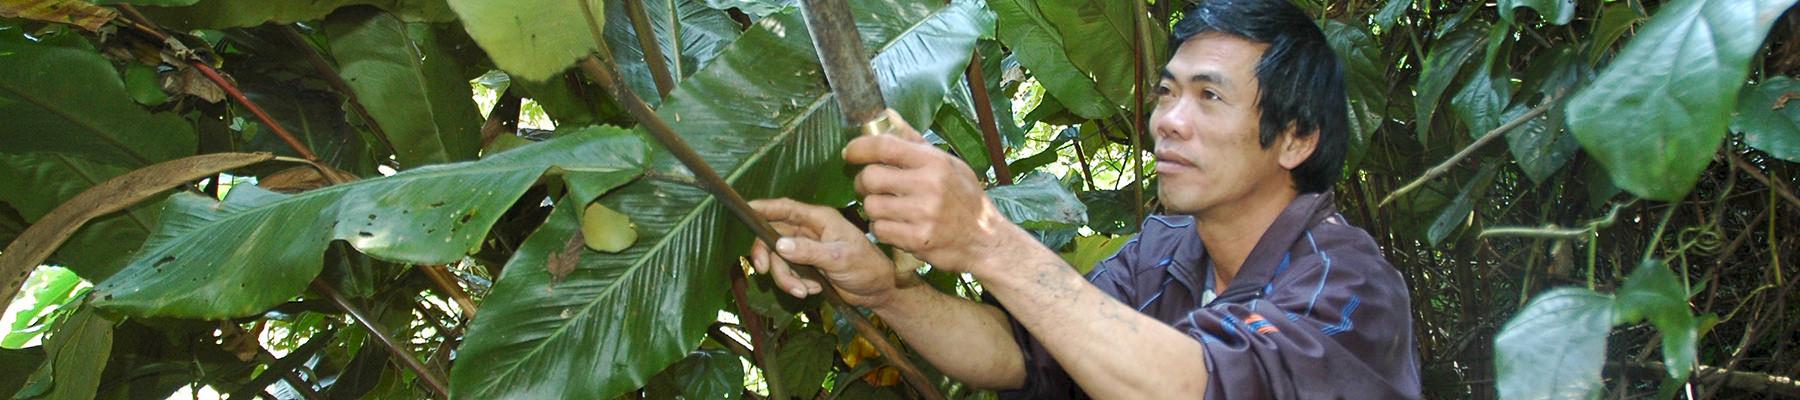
(1172, 159)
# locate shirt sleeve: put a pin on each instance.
(1334, 325)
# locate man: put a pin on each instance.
(1254, 287)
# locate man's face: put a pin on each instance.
(1206, 125)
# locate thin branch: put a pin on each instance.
(1081, 156)
(436, 383)
(763, 354)
(1490, 136)
(447, 283)
(1140, 68)
(646, 37)
(337, 83)
(1785, 192)
(984, 116)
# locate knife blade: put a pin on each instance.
(846, 64)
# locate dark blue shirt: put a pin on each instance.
(1315, 312)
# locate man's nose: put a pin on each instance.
(1173, 122)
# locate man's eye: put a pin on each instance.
(1161, 90)
(1211, 95)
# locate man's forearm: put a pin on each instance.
(969, 341)
(1111, 350)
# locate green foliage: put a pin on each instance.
(532, 40)
(74, 357)
(1556, 346)
(1654, 137)
(1767, 121)
(60, 95)
(403, 74)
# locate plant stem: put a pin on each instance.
(337, 83)
(762, 352)
(1444, 167)
(440, 276)
(380, 334)
(646, 37)
(1785, 192)
(984, 116)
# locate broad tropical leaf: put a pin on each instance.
(74, 356)
(1039, 202)
(1458, 211)
(38, 182)
(256, 249)
(1441, 67)
(1039, 46)
(1558, 12)
(531, 39)
(616, 319)
(704, 374)
(1555, 347)
(755, 8)
(1655, 137)
(1655, 293)
(1102, 49)
(411, 86)
(1365, 80)
(60, 95)
(704, 32)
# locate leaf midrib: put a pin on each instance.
(101, 133)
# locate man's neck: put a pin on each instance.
(1231, 231)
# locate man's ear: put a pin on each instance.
(1295, 149)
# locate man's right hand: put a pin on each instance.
(820, 237)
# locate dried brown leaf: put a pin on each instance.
(72, 12)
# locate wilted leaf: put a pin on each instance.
(1655, 137)
(1768, 115)
(603, 229)
(411, 86)
(619, 318)
(531, 39)
(209, 259)
(72, 12)
(59, 95)
(1555, 347)
(48, 233)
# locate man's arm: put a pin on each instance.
(969, 341)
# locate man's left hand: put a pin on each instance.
(924, 200)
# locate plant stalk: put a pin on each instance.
(380, 334)
(440, 276)
(984, 116)
(646, 37)
(1444, 167)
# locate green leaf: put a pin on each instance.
(256, 249)
(616, 319)
(1459, 209)
(1391, 13)
(1366, 81)
(1655, 137)
(704, 374)
(1110, 211)
(145, 87)
(704, 32)
(16, 365)
(1615, 20)
(1039, 202)
(805, 359)
(1558, 12)
(963, 138)
(1091, 250)
(51, 287)
(531, 39)
(1441, 67)
(1555, 347)
(1655, 293)
(1766, 119)
(411, 86)
(59, 95)
(75, 354)
(1039, 46)
(1541, 145)
(1482, 100)
(38, 182)
(1102, 49)
(757, 9)
(221, 14)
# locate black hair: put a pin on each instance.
(1301, 80)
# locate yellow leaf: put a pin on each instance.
(606, 230)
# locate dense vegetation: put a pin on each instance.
(434, 198)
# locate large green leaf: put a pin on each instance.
(256, 249)
(16, 365)
(1458, 211)
(1555, 347)
(615, 319)
(531, 39)
(703, 33)
(1089, 251)
(1558, 12)
(1039, 46)
(1654, 292)
(1039, 202)
(805, 360)
(411, 86)
(49, 287)
(704, 374)
(1655, 136)
(1103, 33)
(75, 354)
(1766, 119)
(59, 95)
(1446, 60)
(1366, 81)
(221, 14)
(1482, 100)
(38, 182)
(755, 8)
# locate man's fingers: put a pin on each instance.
(787, 280)
(906, 236)
(882, 180)
(886, 149)
(824, 255)
(890, 208)
(799, 217)
(900, 128)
